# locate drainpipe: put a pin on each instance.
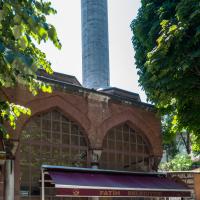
(9, 193)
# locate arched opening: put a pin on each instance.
(49, 138)
(125, 149)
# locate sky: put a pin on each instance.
(68, 60)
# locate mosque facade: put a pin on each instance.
(72, 122)
(82, 126)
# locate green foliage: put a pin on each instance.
(195, 144)
(167, 45)
(10, 112)
(22, 25)
(179, 163)
(196, 164)
(169, 137)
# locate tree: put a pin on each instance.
(22, 25)
(166, 39)
(169, 138)
(175, 142)
(179, 163)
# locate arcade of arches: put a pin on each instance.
(51, 138)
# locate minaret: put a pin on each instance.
(95, 50)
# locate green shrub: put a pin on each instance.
(180, 162)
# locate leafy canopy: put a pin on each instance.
(166, 39)
(22, 25)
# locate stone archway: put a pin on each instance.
(47, 103)
(125, 148)
(49, 138)
(41, 105)
(154, 138)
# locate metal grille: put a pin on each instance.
(49, 138)
(125, 149)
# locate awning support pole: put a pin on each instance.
(95, 167)
(95, 156)
(43, 191)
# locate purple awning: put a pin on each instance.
(88, 182)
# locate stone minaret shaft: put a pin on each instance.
(95, 50)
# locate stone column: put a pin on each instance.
(95, 50)
(95, 156)
(9, 193)
(43, 185)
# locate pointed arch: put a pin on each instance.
(40, 105)
(50, 138)
(137, 123)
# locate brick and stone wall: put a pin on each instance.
(95, 112)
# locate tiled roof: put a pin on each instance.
(65, 78)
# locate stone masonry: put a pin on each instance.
(95, 50)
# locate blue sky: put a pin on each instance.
(67, 21)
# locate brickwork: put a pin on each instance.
(95, 112)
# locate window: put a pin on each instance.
(49, 138)
(125, 149)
